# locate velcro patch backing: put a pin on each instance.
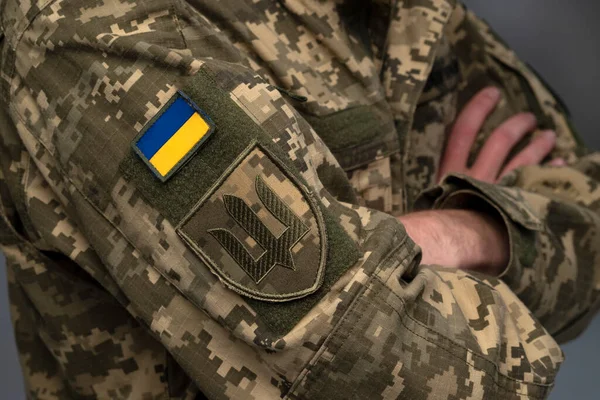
(239, 144)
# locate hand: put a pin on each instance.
(493, 154)
(460, 239)
(468, 239)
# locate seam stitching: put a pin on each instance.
(542, 385)
(335, 331)
(21, 32)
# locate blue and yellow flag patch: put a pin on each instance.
(173, 136)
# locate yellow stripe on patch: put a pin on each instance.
(179, 145)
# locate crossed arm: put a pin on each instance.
(468, 239)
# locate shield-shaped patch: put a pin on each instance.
(260, 230)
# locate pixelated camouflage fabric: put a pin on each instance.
(108, 301)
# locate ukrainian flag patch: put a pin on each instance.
(173, 136)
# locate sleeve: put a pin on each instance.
(74, 334)
(188, 192)
(551, 213)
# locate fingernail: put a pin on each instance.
(493, 93)
(558, 162)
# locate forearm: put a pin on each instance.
(460, 238)
(552, 217)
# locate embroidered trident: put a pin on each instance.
(277, 250)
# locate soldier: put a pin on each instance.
(212, 199)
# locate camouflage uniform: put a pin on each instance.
(271, 264)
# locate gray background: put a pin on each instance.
(562, 41)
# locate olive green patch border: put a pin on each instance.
(234, 131)
(356, 135)
(231, 283)
(190, 153)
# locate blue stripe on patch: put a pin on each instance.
(165, 127)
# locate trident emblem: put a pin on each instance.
(277, 250)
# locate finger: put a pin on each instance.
(465, 129)
(557, 162)
(498, 146)
(534, 153)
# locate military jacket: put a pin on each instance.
(199, 200)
